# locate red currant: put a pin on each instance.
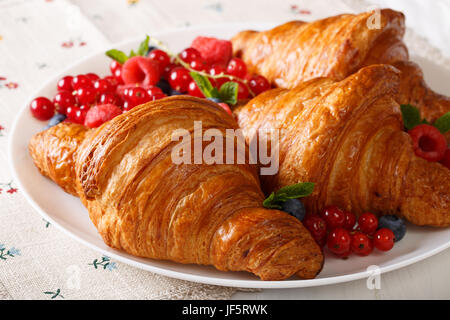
(334, 217)
(316, 226)
(258, 84)
(216, 70)
(236, 67)
(383, 239)
(76, 114)
(161, 58)
(155, 93)
(368, 223)
(42, 108)
(65, 83)
(194, 90)
(62, 100)
(137, 96)
(189, 54)
(86, 95)
(339, 241)
(428, 142)
(198, 65)
(114, 65)
(168, 69)
(108, 98)
(102, 85)
(118, 76)
(361, 244)
(92, 76)
(242, 91)
(80, 80)
(349, 221)
(179, 79)
(112, 82)
(226, 108)
(446, 159)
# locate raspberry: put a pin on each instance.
(446, 160)
(99, 114)
(428, 142)
(213, 50)
(140, 70)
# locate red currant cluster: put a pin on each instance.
(336, 229)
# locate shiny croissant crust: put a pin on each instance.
(143, 203)
(348, 137)
(336, 47)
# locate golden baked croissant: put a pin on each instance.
(348, 137)
(143, 203)
(336, 47)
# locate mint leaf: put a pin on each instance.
(443, 123)
(299, 190)
(411, 116)
(143, 47)
(132, 54)
(117, 55)
(228, 92)
(205, 85)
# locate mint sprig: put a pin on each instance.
(228, 91)
(411, 118)
(276, 199)
(121, 56)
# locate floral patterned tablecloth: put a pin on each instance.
(37, 39)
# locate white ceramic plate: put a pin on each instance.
(67, 213)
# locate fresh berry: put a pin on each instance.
(194, 90)
(140, 70)
(198, 65)
(92, 76)
(334, 217)
(316, 226)
(226, 108)
(445, 161)
(112, 82)
(76, 114)
(137, 96)
(395, 224)
(101, 113)
(161, 58)
(86, 95)
(65, 83)
(168, 69)
(216, 100)
(349, 221)
(213, 50)
(42, 108)
(242, 91)
(190, 54)
(164, 85)
(118, 76)
(57, 118)
(216, 70)
(114, 65)
(258, 84)
(179, 79)
(103, 85)
(361, 244)
(295, 208)
(339, 241)
(108, 98)
(383, 239)
(428, 142)
(368, 223)
(62, 100)
(236, 67)
(155, 93)
(81, 80)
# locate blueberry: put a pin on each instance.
(295, 208)
(164, 86)
(174, 92)
(395, 224)
(216, 100)
(57, 118)
(150, 49)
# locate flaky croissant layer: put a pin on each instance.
(348, 137)
(143, 203)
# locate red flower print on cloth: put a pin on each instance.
(10, 190)
(67, 44)
(295, 9)
(1, 129)
(9, 85)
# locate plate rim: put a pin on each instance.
(257, 284)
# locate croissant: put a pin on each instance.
(348, 137)
(337, 47)
(143, 203)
